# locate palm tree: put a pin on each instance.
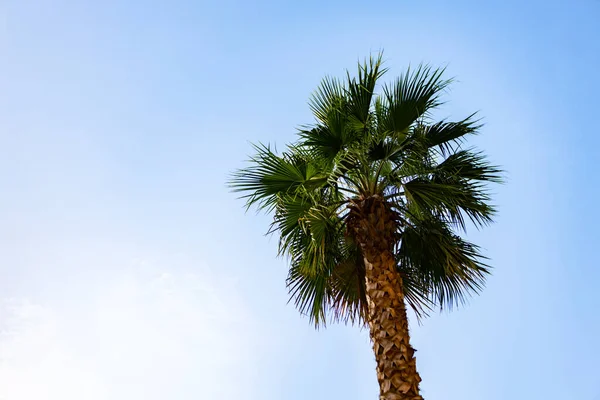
(369, 203)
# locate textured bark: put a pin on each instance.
(373, 224)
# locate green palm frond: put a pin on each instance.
(315, 250)
(445, 134)
(290, 211)
(452, 198)
(331, 94)
(416, 290)
(444, 267)
(361, 92)
(347, 282)
(269, 175)
(469, 165)
(325, 141)
(309, 292)
(412, 96)
(455, 187)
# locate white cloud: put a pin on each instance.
(144, 334)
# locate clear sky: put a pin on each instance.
(128, 271)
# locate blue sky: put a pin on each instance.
(129, 271)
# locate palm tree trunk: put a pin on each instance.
(396, 364)
(374, 225)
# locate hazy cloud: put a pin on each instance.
(146, 334)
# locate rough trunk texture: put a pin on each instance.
(374, 226)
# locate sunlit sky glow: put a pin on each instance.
(128, 271)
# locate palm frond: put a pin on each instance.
(290, 211)
(361, 91)
(347, 282)
(445, 134)
(416, 290)
(311, 235)
(469, 165)
(325, 140)
(269, 175)
(309, 292)
(452, 198)
(445, 268)
(455, 188)
(331, 94)
(413, 95)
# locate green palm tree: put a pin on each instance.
(369, 203)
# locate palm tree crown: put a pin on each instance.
(366, 147)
